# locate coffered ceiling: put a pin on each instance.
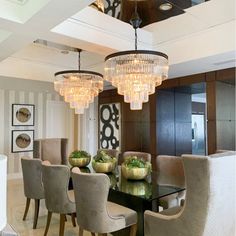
(201, 39)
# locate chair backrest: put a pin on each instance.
(91, 192)
(53, 150)
(142, 155)
(55, 181)
(111, 152)
(210, 199)
(170, 170)
(32, 178)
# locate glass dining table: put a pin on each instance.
(139, 195)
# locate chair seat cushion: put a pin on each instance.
(171, 211)
(115, 210)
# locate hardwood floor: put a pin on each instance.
(16, 206)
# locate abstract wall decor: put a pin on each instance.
(112, 8)
(22, 114)
(22, 140)
(110, 126)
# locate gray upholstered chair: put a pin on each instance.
(33, 186)
(142, 155)
(53, 150)
(94, 212)
(57, 197)
(170, 173)
(209, 208)
(111, 152)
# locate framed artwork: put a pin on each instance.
(23, 114)
(110, 126)
(22, 141)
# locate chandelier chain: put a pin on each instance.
(79, 63)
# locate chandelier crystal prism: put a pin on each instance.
(78, 87)
(136, 73)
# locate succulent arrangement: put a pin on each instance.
(103, 157)
(79, 158)
(135, 162)
(80, 154)
(103, 163)
(135, 168)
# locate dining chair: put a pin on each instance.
(33, 186)
(57, 197)
(53, 150)
(170, 173)
(94, 213)
(142, 155)
(210, 201)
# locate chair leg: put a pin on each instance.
(26, 208)
(102, 234)
(62, 224)
(48, 223)
(36, 212)
(93, 234)
(73, 215)
(133, 230)
(81, 231)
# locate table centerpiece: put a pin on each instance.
(79, 158)
(103, 163)
(135, 168)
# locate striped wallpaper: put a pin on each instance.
(23, 92)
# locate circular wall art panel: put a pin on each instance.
(23, 114)
(22, 140)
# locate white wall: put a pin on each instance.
(88, 129)
(27, 92)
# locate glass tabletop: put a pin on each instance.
(148, 189)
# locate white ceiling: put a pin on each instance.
(202, 39)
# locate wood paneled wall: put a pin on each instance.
(140, 129)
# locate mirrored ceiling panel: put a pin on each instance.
(150, 11)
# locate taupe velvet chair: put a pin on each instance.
(57, 197)
(33, 186)
(53, 150)
(111, 152)
(142, 155)
(94, 212)
(209, 208)
(170, 173)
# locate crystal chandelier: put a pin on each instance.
(136, 73)
(78, 87)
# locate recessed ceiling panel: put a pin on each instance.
(4, 35)
(20, 11)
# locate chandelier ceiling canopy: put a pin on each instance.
(78, 87)
(136, 73)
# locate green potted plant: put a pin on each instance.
(103, 163)
(79, 158)
(135, 168)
